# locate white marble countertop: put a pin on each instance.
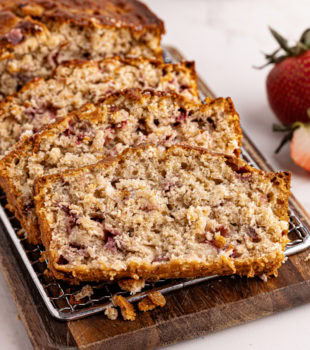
(225, 38)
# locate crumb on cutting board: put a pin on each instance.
(111, 313)
(157, 298)
(146, 304)
(127, 309)
(151, 301)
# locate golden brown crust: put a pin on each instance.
(17, 206)
(127, 309)
(173, 269)
(31, 145)
(106, 13)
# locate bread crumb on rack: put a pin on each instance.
(127, 309)
(86, 291)
(131, 285)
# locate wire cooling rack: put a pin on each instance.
(59, 297)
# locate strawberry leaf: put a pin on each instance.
(281, 41)
(278, 55)
(305, 38)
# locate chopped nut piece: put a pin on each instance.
(131, 285)
(111, 313)
(307, 258)
(127, 309)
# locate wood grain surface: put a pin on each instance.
(191, 312)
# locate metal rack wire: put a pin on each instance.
(59, 297)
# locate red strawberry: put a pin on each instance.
(299, 133)
(288, 82)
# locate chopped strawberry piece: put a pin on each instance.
(15, 36)
(160, 258)
(300, 146)
(111, 244)
(251, 232)
(223, 231)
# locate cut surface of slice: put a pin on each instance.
(43, 101)
(122, 120)
(164, 213)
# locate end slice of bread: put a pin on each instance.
(154, 212)
(37, 36)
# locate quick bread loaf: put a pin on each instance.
(43, 101)
(122, 120)
(154, 212)
(37, 35)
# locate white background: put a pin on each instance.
(225, 38)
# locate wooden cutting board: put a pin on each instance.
(191, 312)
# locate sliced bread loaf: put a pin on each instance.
(164, 213)
(42, 101)
(124, 119)
(37, 35)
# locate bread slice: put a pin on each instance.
(37, 35)
(125, 119)
(73, 84)
(165, 213)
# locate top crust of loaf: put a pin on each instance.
(29, 15)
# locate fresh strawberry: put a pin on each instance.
(288, 82)
(300, 146)
(299, 133)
